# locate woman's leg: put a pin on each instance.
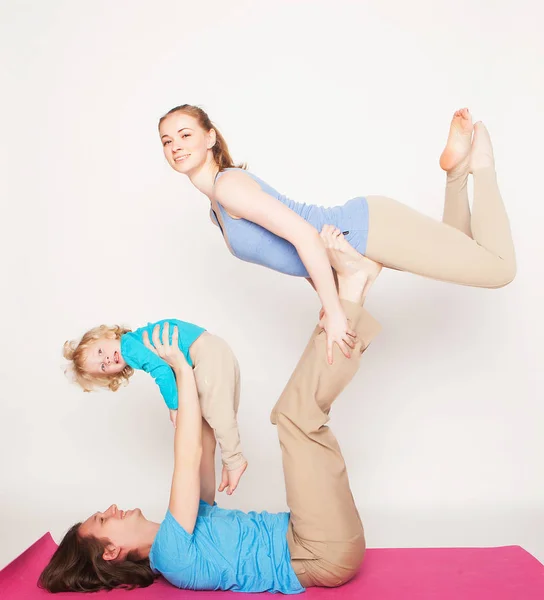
(455, 160)
(325, 536)
(456, 206)
(403, 239)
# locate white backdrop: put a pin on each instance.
(442, 427)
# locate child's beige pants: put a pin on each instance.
(217, 377)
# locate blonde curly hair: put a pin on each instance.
(76, 353)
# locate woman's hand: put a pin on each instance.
(338, 332)
(169, 352)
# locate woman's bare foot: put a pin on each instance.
(456, 153)
(356, 273)
(481, 155)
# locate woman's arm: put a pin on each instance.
(309, 280)
(243, 197)
(185, 492)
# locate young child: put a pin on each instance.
(107, 357)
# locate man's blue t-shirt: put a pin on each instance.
(228, 550)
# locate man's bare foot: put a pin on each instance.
(455, 156)
(481, 155)
(356, 273)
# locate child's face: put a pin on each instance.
(104, 357)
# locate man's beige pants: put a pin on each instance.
(325, 536)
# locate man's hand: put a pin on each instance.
(169, 352)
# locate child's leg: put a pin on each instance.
(404, 239)
(325, 535)
(217, 377)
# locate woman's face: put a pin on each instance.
(122, 528)
(185, 143)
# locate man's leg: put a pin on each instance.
(325, 536)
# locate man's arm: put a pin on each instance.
(185, 492)
(207, 464)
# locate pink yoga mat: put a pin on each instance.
(506, 573)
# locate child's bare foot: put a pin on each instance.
(356, 273)
(481, 155)
(456, 153)
(230, 479)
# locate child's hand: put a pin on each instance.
(230, 479)
(169, 352)
(174, 417)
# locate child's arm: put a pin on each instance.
(164, 377)
(138, 356)
(159, 370)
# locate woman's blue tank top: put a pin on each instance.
(255, 244)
